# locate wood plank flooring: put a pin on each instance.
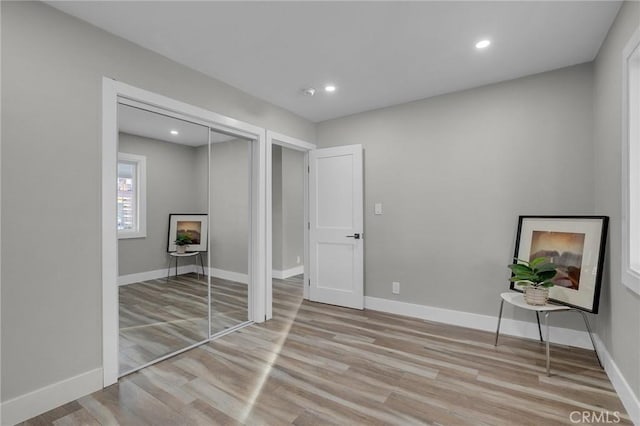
(318, 364)
(159, 317)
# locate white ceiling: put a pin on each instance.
(376, 53)
(148, 124)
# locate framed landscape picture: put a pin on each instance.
(195, 226)
(575, 244)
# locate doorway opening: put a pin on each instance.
(287, 219)
(287, 189)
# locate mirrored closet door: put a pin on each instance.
(230, 231)
(163, 232)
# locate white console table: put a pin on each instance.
(517, 300)
(176, 256)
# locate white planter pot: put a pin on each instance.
(181, 249)
(536, 296)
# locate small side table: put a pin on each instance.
(176, 256)
(517, 299)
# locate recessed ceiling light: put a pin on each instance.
(483, 44)
(174, 132)
(329, 88)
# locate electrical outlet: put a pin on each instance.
(395, 287)
(298, 260)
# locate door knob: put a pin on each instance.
(356, 236)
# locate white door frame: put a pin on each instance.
(111, 91)
(274, 138)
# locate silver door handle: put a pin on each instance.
(356, 236)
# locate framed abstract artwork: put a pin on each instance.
(195, 226)
(576, 245)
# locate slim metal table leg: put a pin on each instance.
(546, 325)
(169, 268)
(202, 264)
(176, 267)
(586, 322)
(499, 320)
(539, 329)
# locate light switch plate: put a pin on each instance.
(378, 208)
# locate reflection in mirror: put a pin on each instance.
(229, 195)
(160, 172)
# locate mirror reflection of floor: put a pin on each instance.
(158, 317)
(228, 304)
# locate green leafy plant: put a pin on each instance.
(183, 240)
(536, 273)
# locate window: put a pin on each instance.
(631, 165)
(131, 196)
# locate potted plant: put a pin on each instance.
(536, 276)
(182, 241)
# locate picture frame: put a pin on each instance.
(196, 225)
(577, 245)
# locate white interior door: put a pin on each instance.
(336, 225)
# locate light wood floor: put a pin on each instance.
(318, 364)
(159, 317)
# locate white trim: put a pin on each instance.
(113, 92)
(274, 138)
(268, 300)
(258, 237)
(34, 403)
(0, 220)
(630, 177)
(141, 195)
(290, 142)
(238, 277)
(110, 330)
(307, 252)
(625, 392)
(156, 275)
(291, 272)
(563, 336)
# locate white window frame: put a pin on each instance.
(141, 196)
(631, 164)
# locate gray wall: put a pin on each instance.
(229, 189)
(292, 208)
(276, 204)
(619, 319)
(171, 188)
(288, 208)
(52, 69)
(454, 172)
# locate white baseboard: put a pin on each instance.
(162, 273)
(625, 392)
(229, 275)
(154, 275)
(564, 336)
(34, 403)
(287, 272)
(516, 328)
